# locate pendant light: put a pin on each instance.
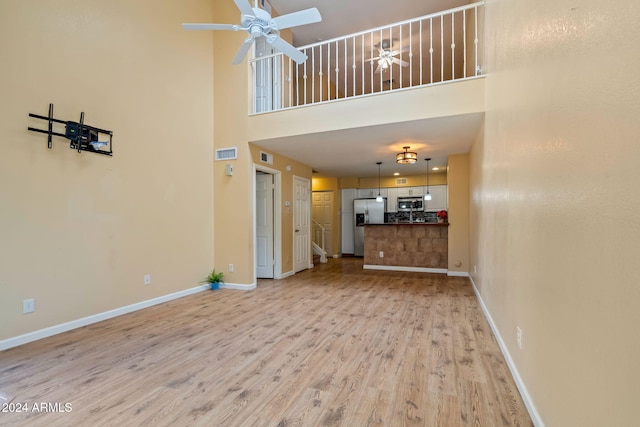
(379, 198)
(427, 195)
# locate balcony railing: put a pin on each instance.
(428, 50)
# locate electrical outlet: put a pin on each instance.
(519, 336)
(28, 306)
(381, 254)
(230, 268)
(147, 279)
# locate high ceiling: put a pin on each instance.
(354, 152)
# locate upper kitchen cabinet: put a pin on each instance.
(367, 193)
(392, 200)
(410, 191)
(438, 200)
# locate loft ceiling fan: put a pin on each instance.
(258, 23)
(387, 56)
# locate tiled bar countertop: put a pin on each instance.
(420, 245)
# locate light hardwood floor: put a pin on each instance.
(331, 346)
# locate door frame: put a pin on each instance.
(293, 228)
(277, 219)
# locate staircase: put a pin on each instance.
(318, 243)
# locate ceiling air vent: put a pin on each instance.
(266, 158)
(227, 153)
(401, 181)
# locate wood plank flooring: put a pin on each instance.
(332, 346)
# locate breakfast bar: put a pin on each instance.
(407, 247)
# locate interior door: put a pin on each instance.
(264, 225)
(323, 214)
(301, 223)
(267, 72)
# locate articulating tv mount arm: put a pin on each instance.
(83, 137)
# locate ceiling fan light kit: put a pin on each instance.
(386, 56)
(259, 23)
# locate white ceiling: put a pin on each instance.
(354, 152)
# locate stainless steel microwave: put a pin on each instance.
(408, 204)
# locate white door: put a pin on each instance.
(267, 72)
(301, 224)
(264, 225)
(323, 214)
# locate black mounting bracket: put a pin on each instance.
(83, 137)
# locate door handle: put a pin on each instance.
(297, 230)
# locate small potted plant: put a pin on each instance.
(442, 217)
(215, 279)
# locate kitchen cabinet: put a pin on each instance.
(392, 200)
(347, 220)
(410, 191)
(367, 193)
(438, 200)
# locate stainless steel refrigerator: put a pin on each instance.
(366, 211)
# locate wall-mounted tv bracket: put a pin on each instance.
(83, 137)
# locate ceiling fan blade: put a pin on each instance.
(245, 7)
(242, 52)
(210, 27)
(303, 17)
(400, 62)
(287, 49)
(395, 52)
(378, 69)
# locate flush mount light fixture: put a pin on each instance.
(427, 195)
(407, 157)
(379, 198)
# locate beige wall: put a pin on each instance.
(458, 194)
(79, 231)
(233, 198)
(554, 204)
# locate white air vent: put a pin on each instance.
(227, 153)
(401, 181)
(266, 158)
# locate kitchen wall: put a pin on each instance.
(458, 180)
(555, 229)
(79, 231)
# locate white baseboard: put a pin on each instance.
(400, 268)
(528, 402)
(63, 327)
(337, 255)
(287, 274)
(238, 286)
(458, 273)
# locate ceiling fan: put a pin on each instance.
(387, 56)
(258, 23)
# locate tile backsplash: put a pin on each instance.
(428, 217)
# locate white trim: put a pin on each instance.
(399, 268)
(277, 219)
(528, 402)
(458, 273)
(285, 275)
(238, 286)
(78, 323)
(293, 224)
